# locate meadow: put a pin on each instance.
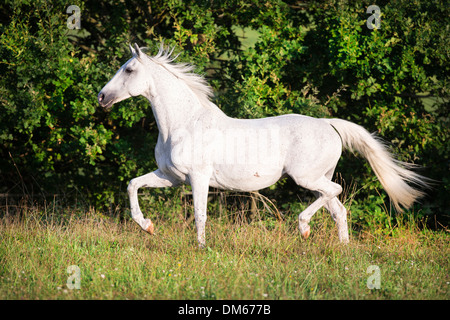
(265, 259)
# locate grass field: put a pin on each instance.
(255, 261)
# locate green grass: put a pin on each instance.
(259, 260)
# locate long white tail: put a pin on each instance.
(393, 174)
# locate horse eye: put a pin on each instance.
(128, 70)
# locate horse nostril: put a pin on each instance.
(101, 96)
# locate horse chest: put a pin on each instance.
(174, 158)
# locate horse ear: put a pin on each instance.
(133, 52)
(138, 50)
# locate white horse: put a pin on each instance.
(199, 145)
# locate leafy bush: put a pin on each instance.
(51, 128)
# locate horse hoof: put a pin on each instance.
(305, 229)
(150, 228)
(306, 234)
(202, 246)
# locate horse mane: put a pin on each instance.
(184, 72)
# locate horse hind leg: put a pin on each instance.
(339, 215)
(327, 190)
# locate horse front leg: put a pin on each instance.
(200, 186)
(155, 179)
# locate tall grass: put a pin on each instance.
(261, 259)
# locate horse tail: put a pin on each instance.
(393, 174)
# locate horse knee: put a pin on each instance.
(132, 186)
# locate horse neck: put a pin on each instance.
(173, 102)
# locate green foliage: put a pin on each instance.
(312, 58)
(51, 127)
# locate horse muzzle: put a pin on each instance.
(104, 100)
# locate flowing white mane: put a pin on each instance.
(184, 72)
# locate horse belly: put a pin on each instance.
(244, 178)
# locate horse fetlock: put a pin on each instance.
(343, 237)
(343, 231)
(202, 245)
(201, 241)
